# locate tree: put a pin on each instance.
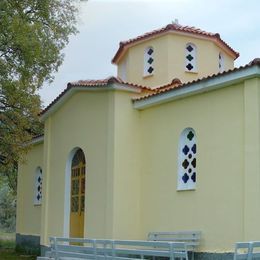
(32, 36)
(7, 207)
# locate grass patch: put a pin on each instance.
(10, 254)
(7, 248)
(7, 236)
(7, 240)
(7, 244)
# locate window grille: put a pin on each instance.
(38, 187)
(187, 163)
(221, 62)
(191, 58)
(149, 61)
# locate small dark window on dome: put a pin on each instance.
(149, 61)
(190, 58)
(221, 62)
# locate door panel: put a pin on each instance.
(77, 198)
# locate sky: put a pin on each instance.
(102, 24)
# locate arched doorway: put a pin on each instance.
(77, 194)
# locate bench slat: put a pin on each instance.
(190, 238)
(247, 250)
(115, 249)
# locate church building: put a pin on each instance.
(172, 143)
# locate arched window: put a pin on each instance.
(38, 186)
(191, 57)
(148, 61)
(77, 195)
(221, 64)
(187, 162)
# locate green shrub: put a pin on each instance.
(7, 208)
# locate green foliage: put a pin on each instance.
(10, 178)
(7, 243)
(7, 208)
(32, 36)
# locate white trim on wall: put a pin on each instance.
(66, 228)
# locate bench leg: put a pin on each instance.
(192, 255)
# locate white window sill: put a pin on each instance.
(187, 189)
(148, 75)
(194, 72)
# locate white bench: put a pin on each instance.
(247, 250)
(190, 238)
(72, 248)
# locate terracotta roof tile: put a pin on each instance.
(95, 83)
(172, 87)
(104, 82)
(171, 27)
(146, 92)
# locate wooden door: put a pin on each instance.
(77, 198)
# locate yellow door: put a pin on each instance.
(77, 198)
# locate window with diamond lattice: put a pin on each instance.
(38, 187)
(187, 163)
(221, 62)
(191, 58)
(77, 194)
(149, 61)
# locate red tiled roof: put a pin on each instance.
(104, 82)
(171, 27)
(173, 87)
(147, 91)
(94, 83)
(174, 83)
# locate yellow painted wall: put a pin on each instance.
(28, 219)
(216, 206)
(169, 60)
(123, 68)
(106, 127)
(252, 155)
(83, 121)
(207, 58)
(135, 63)
(132, 157)
(127, 152)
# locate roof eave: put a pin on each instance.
(226, 48)
(217, 40)
(199, 87)
(71, 90)
(36, 140)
